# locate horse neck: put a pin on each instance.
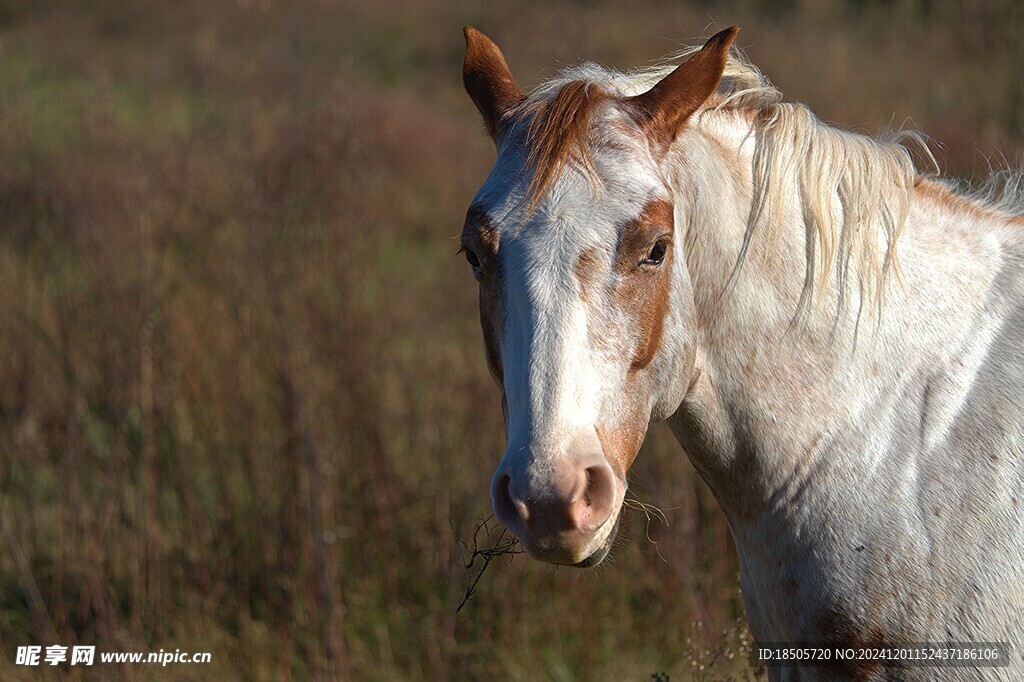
(778, 403)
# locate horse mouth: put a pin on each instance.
(599, 554)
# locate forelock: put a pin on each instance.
(557, 133)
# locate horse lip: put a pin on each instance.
(599, 554)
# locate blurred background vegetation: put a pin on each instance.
(243, 405)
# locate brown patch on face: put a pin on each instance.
(585, 269)
(483, 239)
(622, 442)
(643, 291)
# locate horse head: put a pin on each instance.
(585, 299)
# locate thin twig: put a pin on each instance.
(504, 544)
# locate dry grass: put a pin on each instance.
(242, 398)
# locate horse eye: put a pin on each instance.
(657, 253)
(471, 258)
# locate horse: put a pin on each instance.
(833, 336)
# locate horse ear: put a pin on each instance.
(488, 80)
(662, 110)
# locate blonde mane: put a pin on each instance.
(854, 190)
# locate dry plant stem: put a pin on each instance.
(504, 544)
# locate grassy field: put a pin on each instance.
(243, 403)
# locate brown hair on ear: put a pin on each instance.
(662, 110)
(488, 80)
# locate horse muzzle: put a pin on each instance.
(568, 515)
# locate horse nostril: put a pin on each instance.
(595, 505)
(509, 511)
(600, 486)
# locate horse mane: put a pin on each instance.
(557, 134)
(1003, 191)
(854, 190)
